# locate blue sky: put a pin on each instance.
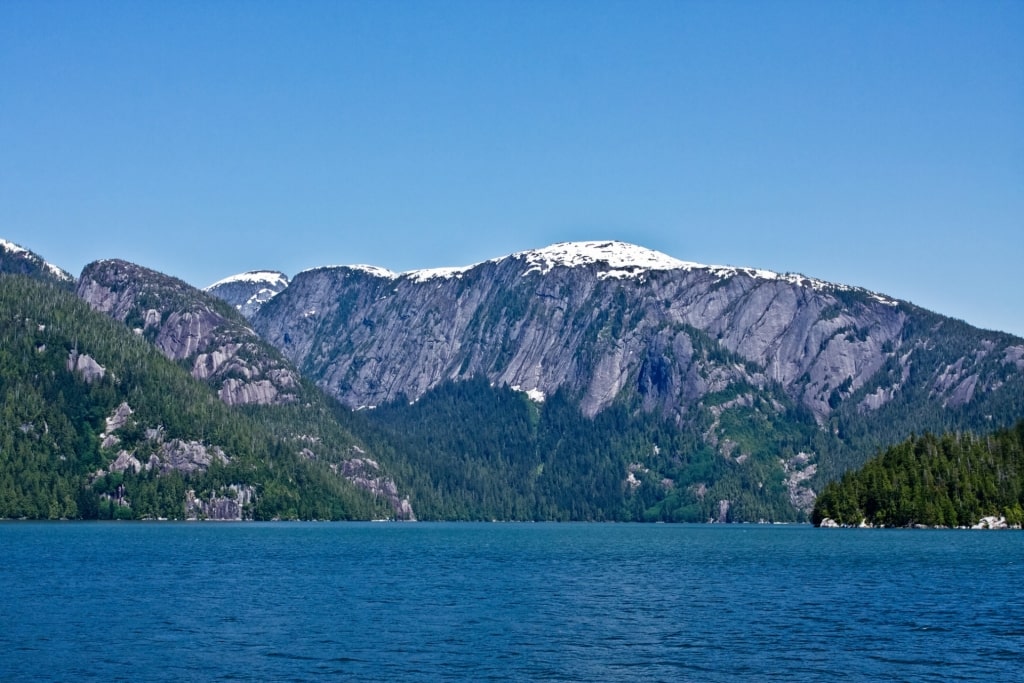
(878, 144)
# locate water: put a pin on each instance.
(507, 602)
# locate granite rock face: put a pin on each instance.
(215, 341)
(161, 454)
(608, 320)
(187, 325)
(86, 366)
(234, 503)
(365, 474)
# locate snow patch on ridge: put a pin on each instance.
(623, 259)
(422, 275)
(376, 271)
(629, 260)
(615, 260)
(436, 273)
(57, 272)
(270, 277)
(14, 249)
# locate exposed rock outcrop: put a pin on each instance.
(233, 504)
(119, 418)
(86, 366)
(365, 473)
(798, 472)
(188, 325)
(164, 456)
(186, 456)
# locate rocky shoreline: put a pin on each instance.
(991, 522)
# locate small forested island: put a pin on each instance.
(953, 480)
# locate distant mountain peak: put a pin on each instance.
(613, 259)
(624, 260)
(616, 255)
(247, 292)
(32, 262)
(420, 275)
(272, 278)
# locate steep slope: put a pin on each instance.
(18, 260)
(96, 423)
(247, 292)
(214, 342)
(786, 380)
(606, 319)
(468, 450)
(210, 338)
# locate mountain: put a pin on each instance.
(787, 379)
(610, 321)
(213, 341)
(96, 423)
(18, 260)
(598, 319)
(216, 344)
(582, 381)
(247, 292)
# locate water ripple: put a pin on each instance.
(498, 602)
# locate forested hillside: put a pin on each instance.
(758, 382)
(467, 450)
(585, 381)
(953, 378)
(950, 480)
(95, 423)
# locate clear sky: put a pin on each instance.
(878, 144)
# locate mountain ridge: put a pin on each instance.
(623, 259)
(583, 380)
(608, 261)
(15, 258)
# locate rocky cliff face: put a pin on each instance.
(234, 504)
(220, 348)
(189, 326)
(764, 378)
(608, 321)
(366, 474)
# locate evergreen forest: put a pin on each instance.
(469, 451)
(952, 480)
(52, 464)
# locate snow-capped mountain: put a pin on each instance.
(733, 392)
(604, 321)
(16, 259)
(247, 292)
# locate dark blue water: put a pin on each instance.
(579, 602)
